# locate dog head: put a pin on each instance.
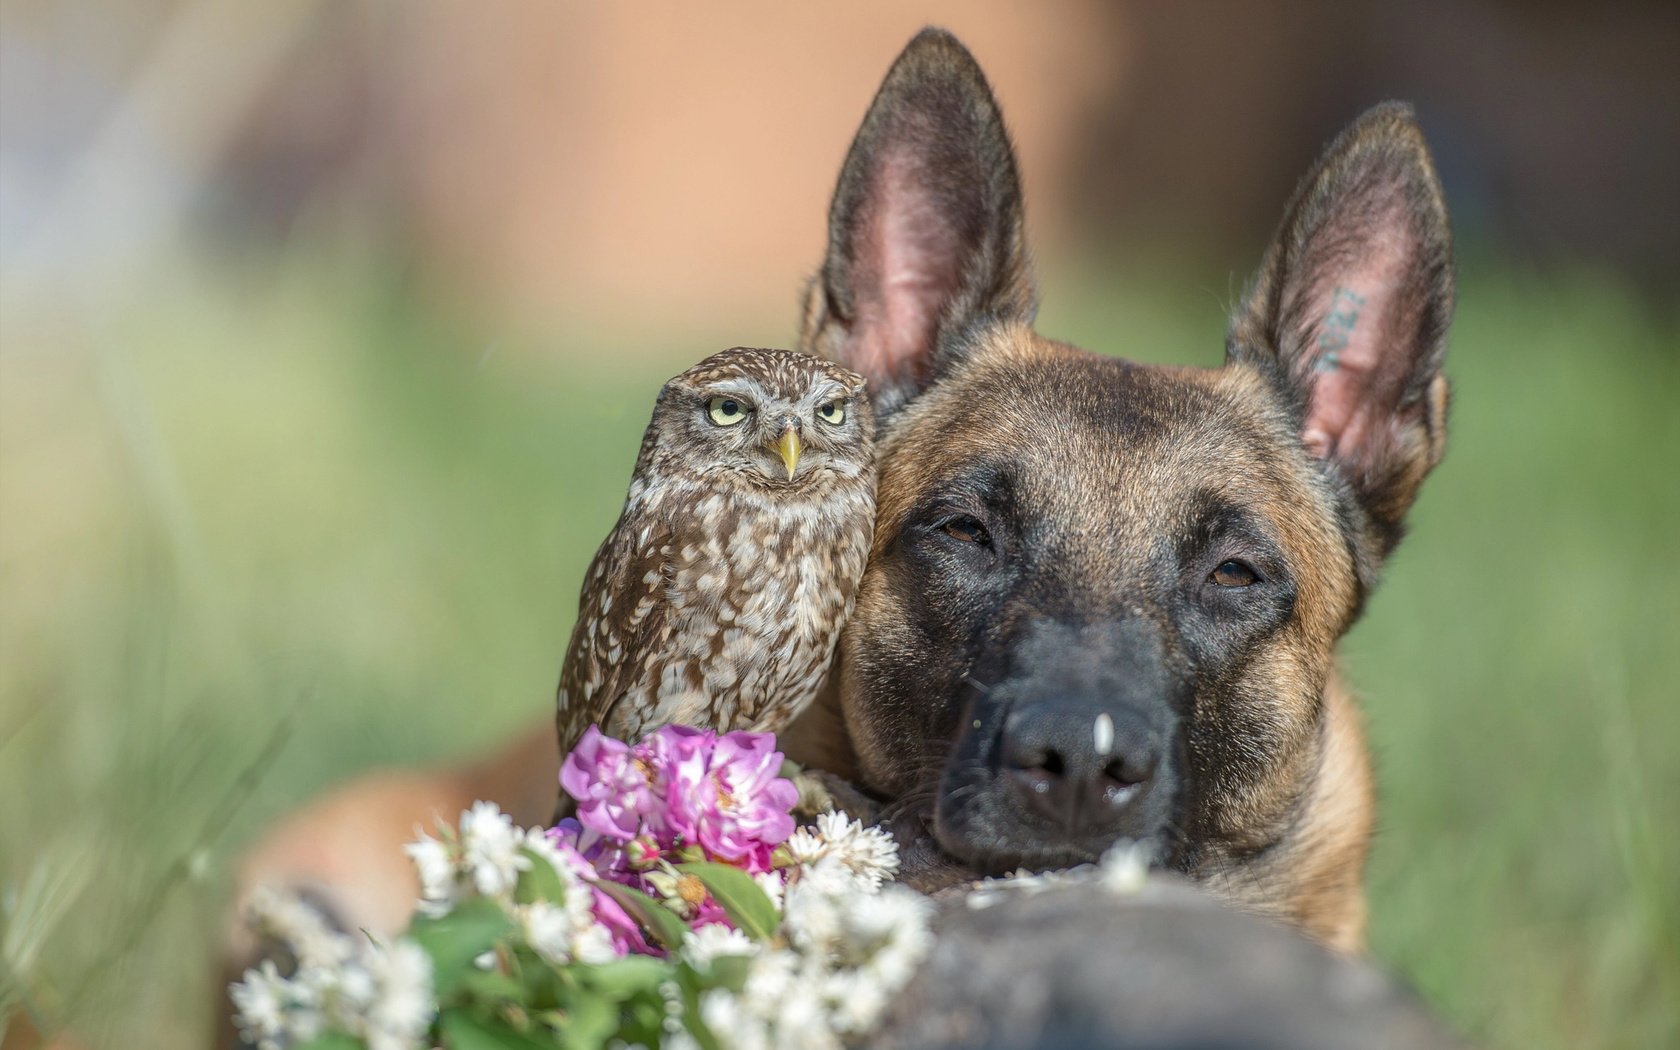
(1103, 597)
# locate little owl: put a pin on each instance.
(718, 598)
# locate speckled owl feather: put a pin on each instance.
(718, 598)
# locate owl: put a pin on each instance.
(718, 598)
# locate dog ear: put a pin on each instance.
(1350, 311)
(925, 232)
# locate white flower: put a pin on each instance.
(548, 930)
(891, 931)
(858, 999)
(436, 867)
(259, 1003)
(491, 847)
(274, 1011)
(356, 989)
(284, 917)
(810, 909)
(566, 930)
(804, 847)
(735, 1026)
(594, 945)
(868, 853)
(402, 1008)
(801, 1019)
(772, 974)
(702, 947)
(774, 884)
(1124, 868)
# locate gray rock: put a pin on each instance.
(1077, 967)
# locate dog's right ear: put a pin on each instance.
(925, 232)
(1350, 310)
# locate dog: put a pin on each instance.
(1103, 598)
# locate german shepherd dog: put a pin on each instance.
(1103, 598)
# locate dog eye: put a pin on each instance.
(967, 530)
(832, 412)
(726, 411)
(1233, 574)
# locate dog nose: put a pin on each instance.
(1078, 766)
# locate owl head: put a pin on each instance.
(779, 417)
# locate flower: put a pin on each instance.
(1124, 869)
(402, 1006)
(774, 885)
(845, 945)
(274, 1011)
(805, 847)
(704, 946)
(741, 802)
(491, 849)
(623, 933)
(610, 786)
(286, 918)
(869, 854)
(436, 864)
(677, 758)
(888, 931)
(259, 1003)
(732, 1023)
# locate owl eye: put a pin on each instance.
(832, 412)
(727, 411)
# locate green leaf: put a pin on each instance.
(655, 918)
(622, 978)
(455, 940)
(492, 986)
(539, 882)
(729, 971)
(333, 1041)
(590, 1022)
(691, 984)
(746, 904)
(463, 1031)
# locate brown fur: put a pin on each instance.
(1318, 430)
(926, 290)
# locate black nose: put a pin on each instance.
(1077, 765)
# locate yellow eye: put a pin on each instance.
(832, 412)
(726, 411)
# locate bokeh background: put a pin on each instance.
(327, 332)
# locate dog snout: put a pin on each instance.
(1078, 765)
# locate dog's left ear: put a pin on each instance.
(1350, 311)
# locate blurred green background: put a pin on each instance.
(293, 484)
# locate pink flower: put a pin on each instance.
(739, 807)
(626, 935)
(680, 794)
(610, 786)
(679, 757)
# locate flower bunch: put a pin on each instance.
(653, 820)
(680, 908)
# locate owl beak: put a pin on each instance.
(788, 447)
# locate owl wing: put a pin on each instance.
(621, 627)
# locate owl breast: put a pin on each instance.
(758, 606)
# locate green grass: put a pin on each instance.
(254, 541)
